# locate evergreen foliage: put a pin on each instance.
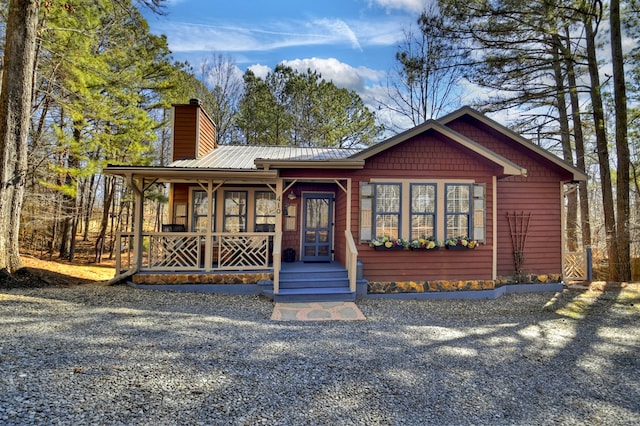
(288, 107)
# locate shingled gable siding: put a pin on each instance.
(538, 193)
(428, 156)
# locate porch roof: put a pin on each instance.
(245, 157)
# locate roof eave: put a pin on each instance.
(189, 173)
(267, 164)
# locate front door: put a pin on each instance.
(317, 238)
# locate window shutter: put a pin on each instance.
(366, 211)
(479, 212)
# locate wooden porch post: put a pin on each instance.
(208, 244)
(494, 223)
(349, 205)
(277, 247)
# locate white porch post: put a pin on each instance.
(208, 244)
(494, 223)
(349, 205)
(277, 246)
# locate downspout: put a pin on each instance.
(137, 243)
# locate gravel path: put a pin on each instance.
(121, 356)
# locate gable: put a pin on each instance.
(509, 144)
(435, 130)
(428, 155)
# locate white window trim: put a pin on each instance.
(405, 209)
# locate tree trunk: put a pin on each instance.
(110, 187)
(567, 151)
(578, 136)
(15, 114)
(623, 258)
(602, 147)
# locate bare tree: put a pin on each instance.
(224, 79)
(430, 64)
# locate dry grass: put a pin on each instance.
(66, 273)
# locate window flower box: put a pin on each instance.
(389, 243)
(460, 243)
(424, 244)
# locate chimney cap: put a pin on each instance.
(194, 101)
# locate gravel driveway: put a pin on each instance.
(117, 355)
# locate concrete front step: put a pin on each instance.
(309, 282)
(313, 282)
(317, 294)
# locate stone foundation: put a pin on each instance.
(219, 278)
(429, 286)
(454, 285)
(530, 279)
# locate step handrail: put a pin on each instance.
(351, 259)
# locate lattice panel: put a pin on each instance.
(244, 252)
(174, 252)
(575, 266)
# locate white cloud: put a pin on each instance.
(339, 30)
(415, 6)
(191, 37)
(341, 74)
(260, 70)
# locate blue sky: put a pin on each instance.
(351, 42)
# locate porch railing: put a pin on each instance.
(577, 266)
(187, 251)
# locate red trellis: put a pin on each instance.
(518, 228)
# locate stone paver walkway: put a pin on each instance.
(317, 311)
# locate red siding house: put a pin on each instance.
(459, 203)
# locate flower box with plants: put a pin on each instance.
(460, 243)
(424, 243)
(389, 243)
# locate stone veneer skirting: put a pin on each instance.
(372, 287)
(218, 278)
(376, 287)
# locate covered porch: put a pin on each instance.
(226, 224)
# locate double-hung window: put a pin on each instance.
(235, 211)
(423, 210)
(458, 210)
(387, 210)
(265, 214)
(200, 205)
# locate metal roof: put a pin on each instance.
(242, 157)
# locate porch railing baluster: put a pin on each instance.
(185, 251)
